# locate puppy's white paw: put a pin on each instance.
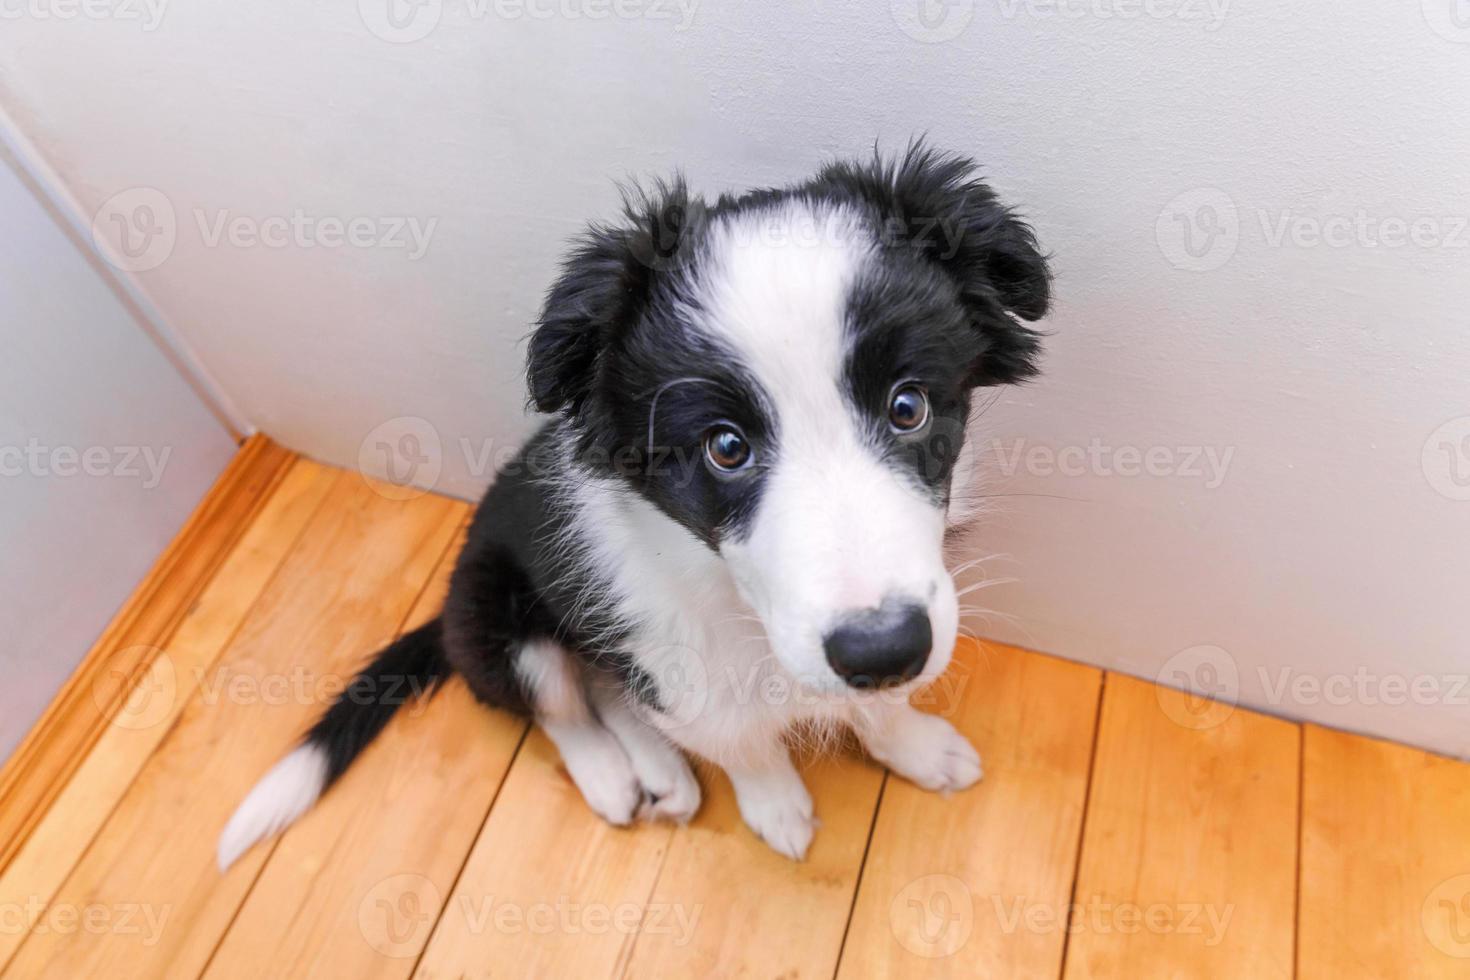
(614, 796)
(601, 770)
(929, 752)
(670, 791)
(781, 815)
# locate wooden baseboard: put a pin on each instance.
(50, 753)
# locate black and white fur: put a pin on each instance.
(640, 602)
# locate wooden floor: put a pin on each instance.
(1122, 830)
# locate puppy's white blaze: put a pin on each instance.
(837, 529)
(276, 802)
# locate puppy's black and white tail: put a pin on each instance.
(412, 665)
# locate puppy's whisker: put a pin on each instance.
(959, 570)
(984, 584)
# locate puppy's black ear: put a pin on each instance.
(936, 202)
(605, 284)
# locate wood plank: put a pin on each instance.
(962, 887)
(578, 898)
(549, 889)
(392, 836)
(63, 835)
(343, 591)
(1385, 875)
(1188, 863)
(720, 886)
(44, 762)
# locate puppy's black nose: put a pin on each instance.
(879, 647)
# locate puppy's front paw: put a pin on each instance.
(600, 769)
(781, 816)
(670, 791)
(929, 752)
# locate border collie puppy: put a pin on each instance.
(733, 525)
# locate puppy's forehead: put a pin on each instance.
(777, 286)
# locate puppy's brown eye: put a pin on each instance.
(908, 409)
(726, 448)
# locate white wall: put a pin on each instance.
(1334, 542)
(104, 453)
